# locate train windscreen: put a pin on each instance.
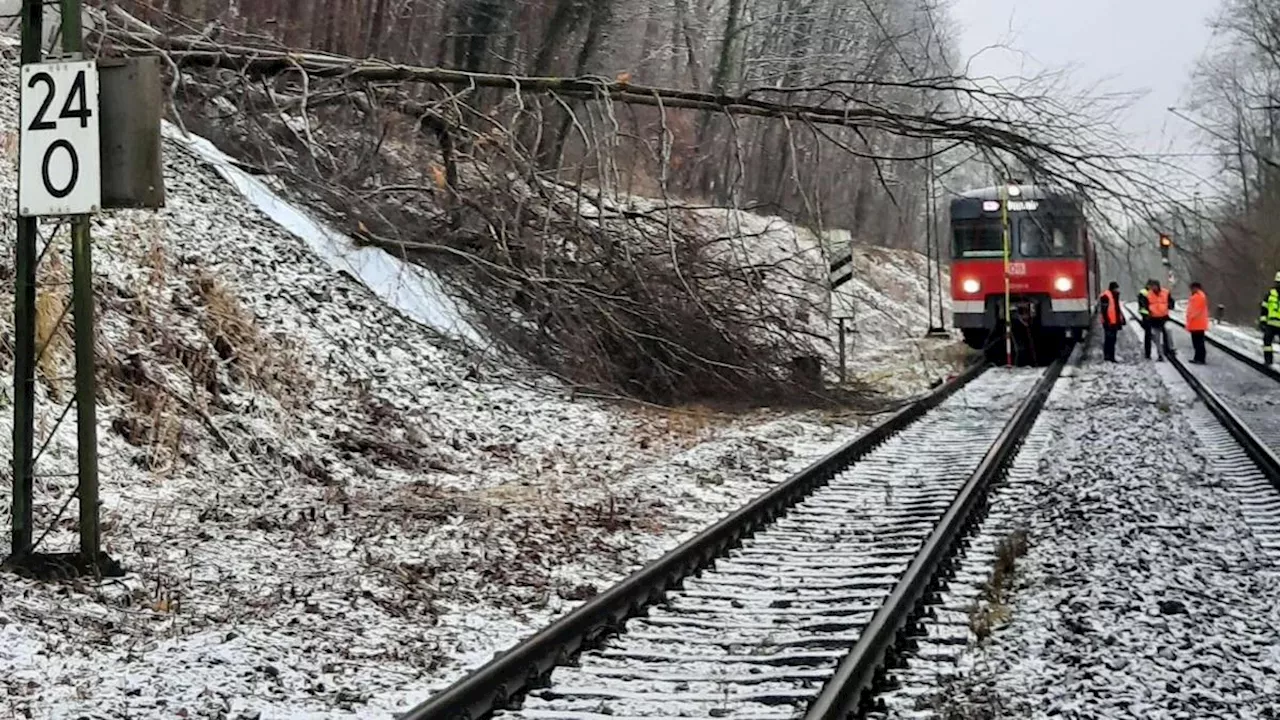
(977, 238)
(1049, 235)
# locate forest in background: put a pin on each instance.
(1230, 240)
(837, 177)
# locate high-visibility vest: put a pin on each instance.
(1197, 312)
(1113, 308)
(1158, 303)
(1143, 302)
(1271, 309)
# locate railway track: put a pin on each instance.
(792, 606)
(1234, 352)
(1242, 395)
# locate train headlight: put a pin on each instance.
(1063, 284)
(970, 286)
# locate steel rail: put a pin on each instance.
(1254, 447)
(505, 679)
(849, 689)
(1252, 362)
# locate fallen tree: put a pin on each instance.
(565, 263)
(851, 111)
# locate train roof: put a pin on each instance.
(1027, 192)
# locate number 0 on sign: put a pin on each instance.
(60, 151)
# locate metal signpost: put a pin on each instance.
(843, 309)
(60, 174)
(933, 248)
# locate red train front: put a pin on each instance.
(1053, 274)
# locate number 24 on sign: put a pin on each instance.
(60, 156)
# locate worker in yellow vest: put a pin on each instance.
(1269, 320)
(1143, 312)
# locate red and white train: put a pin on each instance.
(1053, 270)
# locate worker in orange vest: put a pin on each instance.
(1158, 306)
(1112, 320)
(1197, 321)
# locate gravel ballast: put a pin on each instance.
(1144, 593)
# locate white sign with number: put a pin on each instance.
(60, 154)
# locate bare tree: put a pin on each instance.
(1236, 100)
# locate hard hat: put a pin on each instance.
(1278, 277)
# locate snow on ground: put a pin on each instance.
(1144, 593)
(325, 513)
(409, 288)
(891, 294)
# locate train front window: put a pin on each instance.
(1048, 236)
(977, 238)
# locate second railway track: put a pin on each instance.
(798, 618)
(1241, 395)
(1234, 352)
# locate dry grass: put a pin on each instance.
(230, 327)
(53, 336)
(9, 145)
(189, 342)
(248, 354)
(154, 421)
(991, 610)
(157, 260)
(691, 421)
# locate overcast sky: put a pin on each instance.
(1132, 45)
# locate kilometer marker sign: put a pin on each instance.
(60, 153)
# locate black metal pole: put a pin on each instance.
(937, 246)
(24, 306)
(842, 352)
(928, 231)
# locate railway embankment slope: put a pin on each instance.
(328, 506)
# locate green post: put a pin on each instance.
(72, 34)
(82, 307)
(24, 312)
(86, 391)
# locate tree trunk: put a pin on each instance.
(684, 35)
(719, 85)
(371, 45)
(563, 23)
(652, 30)
(597, 30)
